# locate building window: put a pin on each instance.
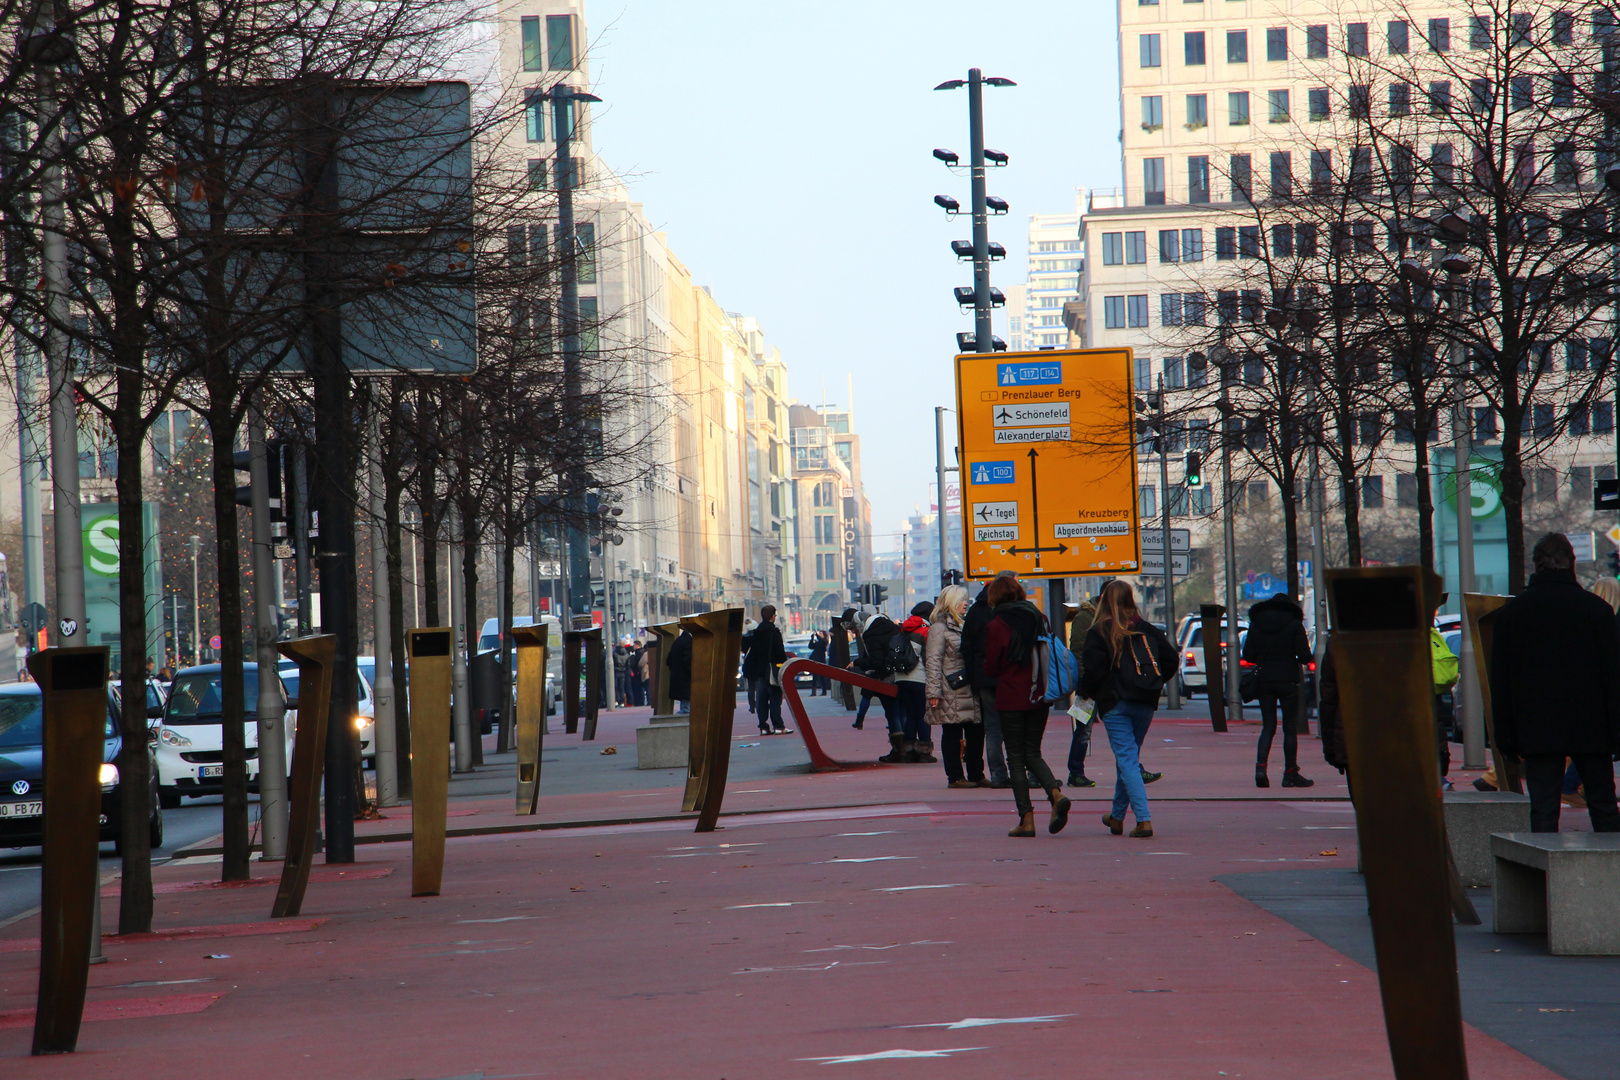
(585, 253)
(1144, 373)
(534, 115)
(1563, 91)
(1170, 309)
(1146, 504)
(1193, 311)
(1278, 100)
(1277, 43)
(537, 174)
(1282, 241)
(1152, 113)
(1440, 35)
(1406, 491)
(1321, 172)
(1372, 492)
(1522, 23)
(560, 42)
(1114, 312)
(1153, 181)
(1113, 248)
(1242, 179)
(1485, 427)
(1249, 241)
(1355, 39)
(1192, 245)
(1282, 174)
(1481, 95)
(1135, 248)
(1579, 420)
(1198, 179)
(1602, 417)
(1399, 38)
(1193, 48)
(533, 57)
(1136, 310)
(1440, 99)
(1316, 42)
(1173, 372)
(1237, 46)
(1225, 243)
(1197, 111)
(1237, 108)
(1519, 93)
(1317, 98)
(1197, 379)
(1479, 32)
(1400, 99)
(1150, 50)
(1360, 101)
(1563, 28)
(1169, 246)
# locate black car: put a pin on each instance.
(22, 752)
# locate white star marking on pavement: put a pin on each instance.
(992, 1021)
(890, 1055)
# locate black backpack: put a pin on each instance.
(1136, 673)
(902, 654)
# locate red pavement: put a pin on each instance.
(776, 947)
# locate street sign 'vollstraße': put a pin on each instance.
(1048, 463)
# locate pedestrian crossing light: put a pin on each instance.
(1195, 470)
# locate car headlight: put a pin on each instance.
(361, 723)
(109, 775)
(171, 737)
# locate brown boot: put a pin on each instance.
(1060, 810)
(1143, 828)
(1026, 825)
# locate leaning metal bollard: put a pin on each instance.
(315, 657)
(575, 673)
(530, 714)
(73, 683)
(1381, 651)
(1482, 609)
(716, 648)
(429, 653)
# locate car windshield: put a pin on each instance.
(197, 699)
(289, 679)
(22, 725)
(154, 700)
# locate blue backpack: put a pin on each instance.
(1062, 670)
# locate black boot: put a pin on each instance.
(1291, 778)
(897, 751)
(923, 753)
(1260, 778)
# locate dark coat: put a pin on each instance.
(975, 624)
(1329, 719)
(680, 667)
(1078, 628)
(764, 650)
(818, 649)
(1098, 664)
(1010, 656)
(1276, 640)
(1555, 670)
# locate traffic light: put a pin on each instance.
(1614, 564)
(1195, 470)
(950, 577)
(880, 593)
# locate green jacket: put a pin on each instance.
(1077, 635)
(1443, 662)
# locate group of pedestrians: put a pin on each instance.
(632, 672)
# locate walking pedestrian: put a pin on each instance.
(974, 626)
(1080, 741)
(820, 641)
(760, 667)
(1277, 645)
(911, 696)
(1015, 657)
(1127, 661)
(875, 660)
(680, 672)
(951, 704)
(1555, 686)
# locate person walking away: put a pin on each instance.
(951, 704)
(1555, 686)
(1444, 672)
(1015, 656)
(818, 655)
(765, 652)
(680, 671)
(873, 661)
(911, 696)
(1127, 661)
(1080, 741)
(1276, 643)
(749, 626)
(974, 625)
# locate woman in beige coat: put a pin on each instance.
(954, 709)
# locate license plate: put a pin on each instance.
(205, 771)
(21, 809)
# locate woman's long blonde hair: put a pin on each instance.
(950, 598)
(1116, 614)
(1609, 589)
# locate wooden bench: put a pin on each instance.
(1565, 885)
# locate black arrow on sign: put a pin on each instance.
(1035, 512)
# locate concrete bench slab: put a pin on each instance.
(665, 743)
(1566, 885)
(1471, 818)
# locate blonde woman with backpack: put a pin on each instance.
(1125, 661)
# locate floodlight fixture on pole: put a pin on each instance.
(975, 83)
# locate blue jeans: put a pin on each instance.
(1079, 744)
(1127, 724)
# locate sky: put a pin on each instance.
(786, 151)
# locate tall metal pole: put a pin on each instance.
(271, 707)
(33, 451)
(196, 603)
(382, 683)
(460, 714)
(982, 341)
(1471, 708)
(1234, 696)
(939, 486)
(1174, 686)
(579, 554)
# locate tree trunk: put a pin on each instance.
(393, 542)
(1349, 496)
(505, 742)
(1512, 478)
(134, 761)
(1425, 492)
(222, 428)
(470, 535)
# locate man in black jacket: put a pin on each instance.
(1555, 686)
(680, 672)
(765, 651)
(1277, 644)
(974, 626)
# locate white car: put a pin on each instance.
(1193, 676)
(190, 755)
(489, 637)
(363, 720)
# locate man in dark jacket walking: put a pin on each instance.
(680, 672)
(1278, 646)
(975, 625)
(1555, 686)
(765, 651)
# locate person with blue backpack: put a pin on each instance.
(1030, 667)
(1126, 661)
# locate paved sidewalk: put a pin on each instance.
(858, 921)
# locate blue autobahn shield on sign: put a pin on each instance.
(1049, 373)
(993, 472)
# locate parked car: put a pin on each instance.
(22, 757)
(190, 754)
(363, 721)
(489, 637)
(798, 647)
(1194, 679)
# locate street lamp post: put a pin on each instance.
(195, 543)
(983, 339)
(1229, 636)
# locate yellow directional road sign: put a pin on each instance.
(1048, 461)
